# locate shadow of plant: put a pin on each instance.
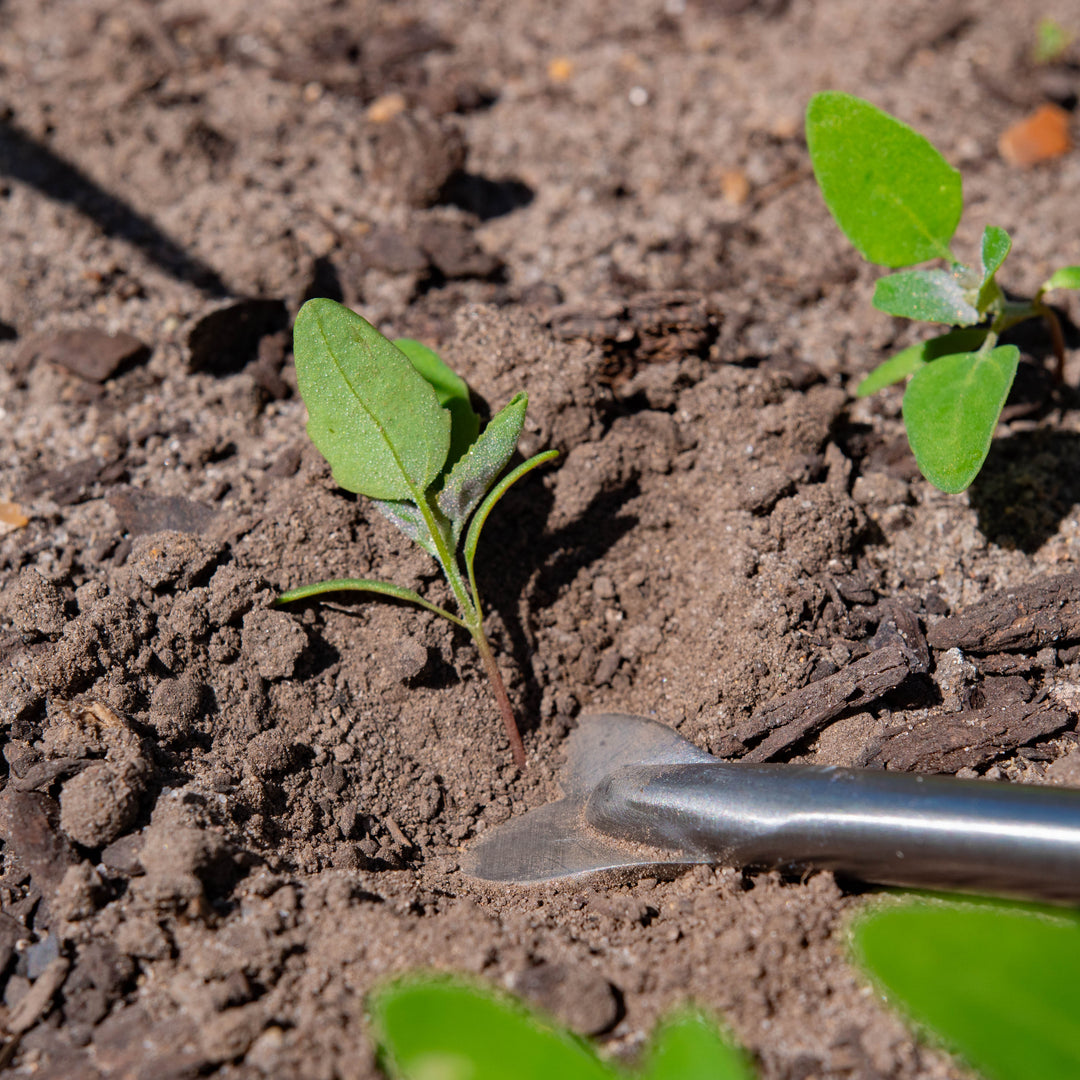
(1029, 484)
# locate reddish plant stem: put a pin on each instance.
(498, 687)
(1057, 339)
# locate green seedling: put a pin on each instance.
(396, 424)
(996, 983)
(899, 202)
(436, 1027)
(1051, 41)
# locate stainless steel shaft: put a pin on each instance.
(892, 828)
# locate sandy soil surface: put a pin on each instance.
(222, 822)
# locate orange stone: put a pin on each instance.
(1039, 137)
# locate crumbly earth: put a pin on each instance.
(223, 822)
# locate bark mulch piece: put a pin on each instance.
(1044, 612)
(792, 717)
(970, 739)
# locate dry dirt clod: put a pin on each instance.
(35, 605)
(274, 642)
(102, 802)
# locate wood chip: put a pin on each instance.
(12, 517)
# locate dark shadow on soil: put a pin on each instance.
(25, 160)
(1029, 483)
(485, 198)
(511, 554)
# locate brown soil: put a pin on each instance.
(222, 823)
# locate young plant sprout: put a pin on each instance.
(899, 202)
(396, 424)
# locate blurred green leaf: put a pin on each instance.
(370, 413)
(998, 983)
(929, 295)
(995, 246)
(1068, 277)
(951, 408)
(437, 1027)
(909, 360)
(432, 1027)
(452, 392)
(895, 197)
(1051, 40)
(690, 1046)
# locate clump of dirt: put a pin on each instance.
(222, 821)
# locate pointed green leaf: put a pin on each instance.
(383, 588)
(927, 295)
(370, 413)
(452, 392)
(1068, 277)
(473, 475)
(690, 1046)
(995, 246)
(896, 198)
(433, 1027)
(409, 520)
(909, 360)
(951, 408)
(997, 982)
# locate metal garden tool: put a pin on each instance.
(641, 800)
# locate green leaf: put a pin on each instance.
(471, 477)
(690, 1046)
(996, 243)
(951, 408)
(909, 360)
(432, 1027)
(452, 392)
(927, 295)
(370, 413)
(383, 588)
(997, 982)
(472, 538)
(896, 198)
(1068, 277)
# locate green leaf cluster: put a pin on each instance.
(995, 982)
(397, 424)
(899, 202)
(437, 1027)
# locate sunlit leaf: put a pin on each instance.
(370, 412)
(436, 1028)
(690, 1046)
(909, 360)
(452, 392)
(1068, 277)
(895, 197)
(951, 408)
(928, 295)
(998, 983)
(995, 246)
